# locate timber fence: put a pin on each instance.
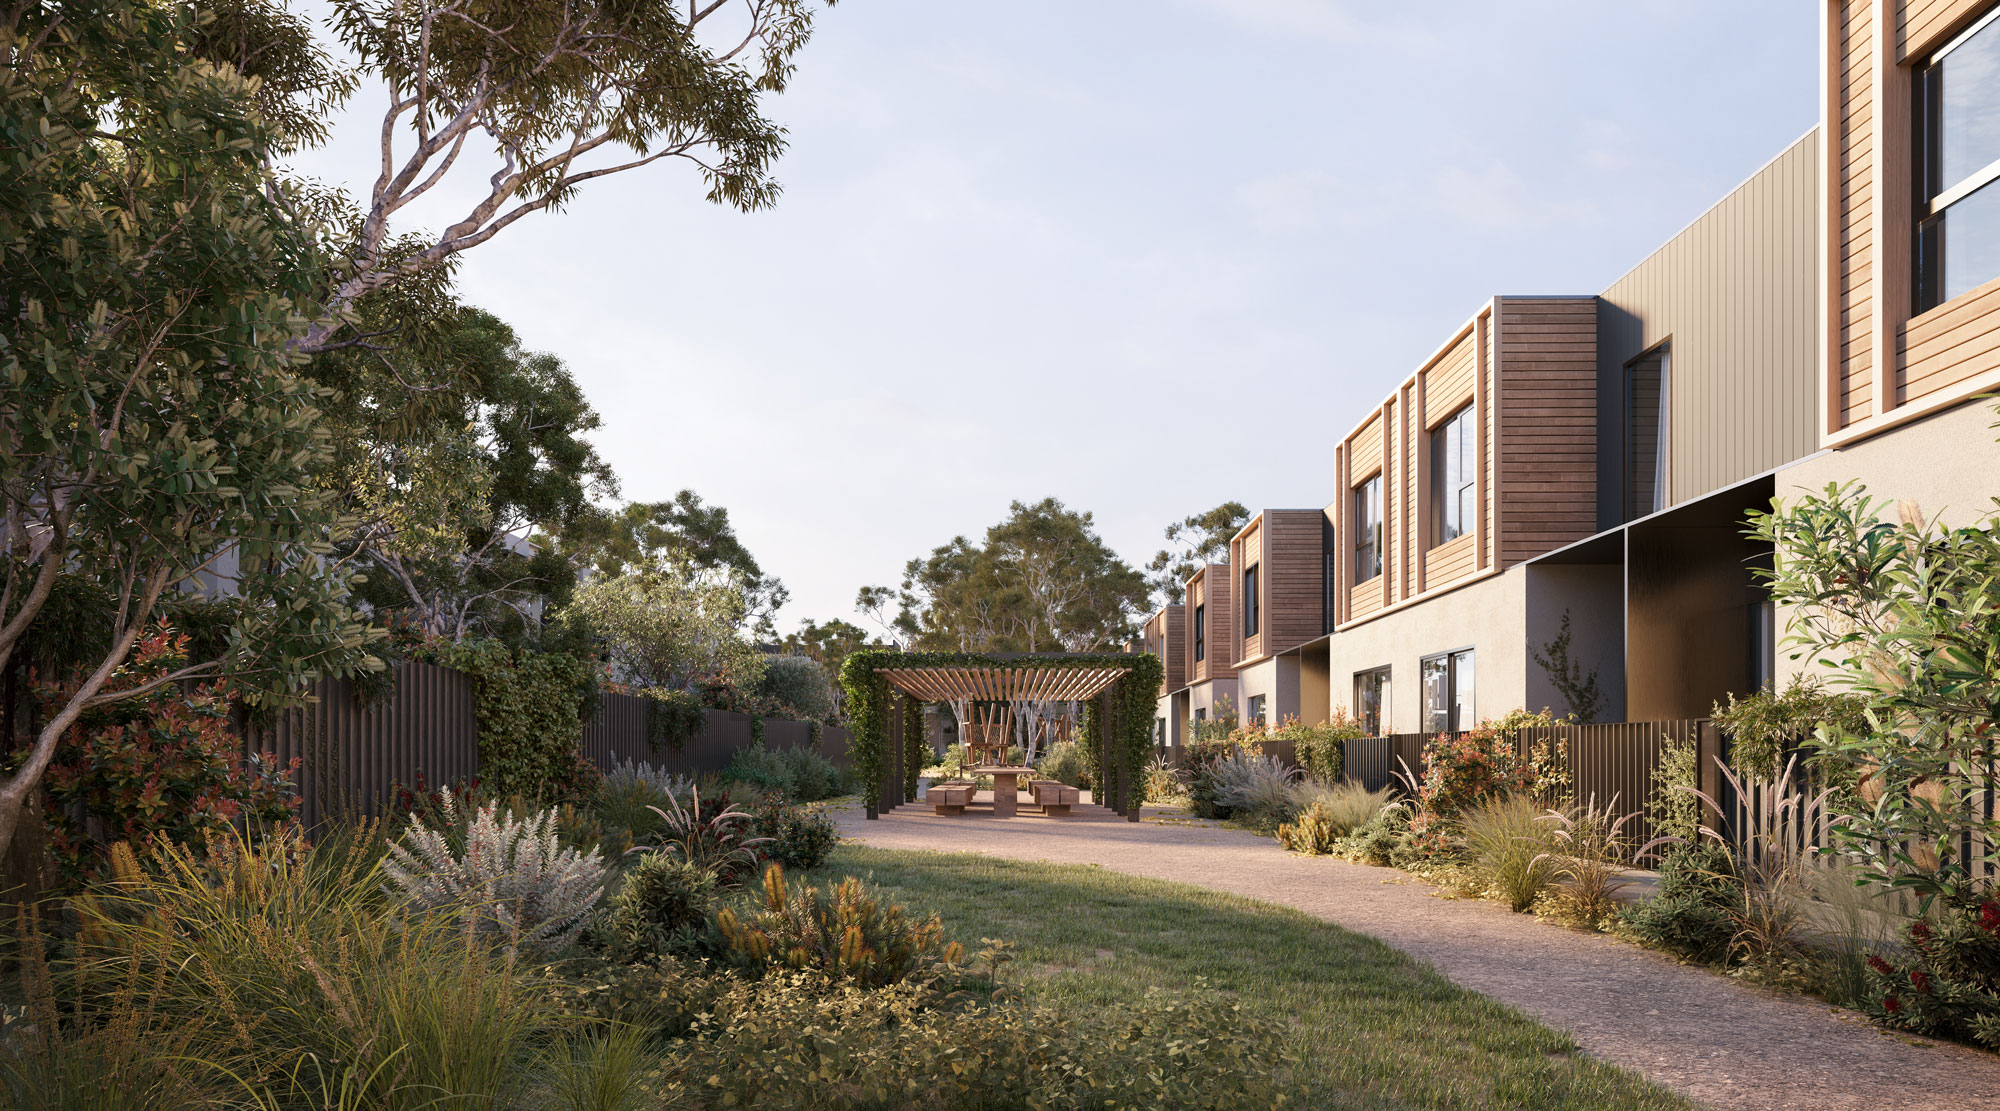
(353, 756)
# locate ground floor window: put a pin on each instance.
(1201, 715)
(1256, 709)
(1160, 731)
(1371, 694)
(1447, 679)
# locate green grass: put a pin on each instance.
(1374, 1028)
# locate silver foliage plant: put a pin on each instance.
(514, 881)
(631, 773)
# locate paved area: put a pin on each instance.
(1720, 1042)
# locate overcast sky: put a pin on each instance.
(1142, 256)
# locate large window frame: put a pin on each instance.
(1200, 632)
(1368, 530)
(1967, 189)
(1371, 699)
(1254, 706)
(1250, 601)
(1448, 680)
(1454, 475)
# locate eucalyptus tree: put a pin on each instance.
(155, 419)
(1198, 540)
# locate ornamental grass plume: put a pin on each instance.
(514, 881)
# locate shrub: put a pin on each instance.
(1689, 912)
(760, 767)
(712, 835)
(813, 777)
(1313, 832)
(661, 909)
(1947, 982)
(297, 976)
(1464, 769)
(1384, 839)
(1346, 805)
(631, 775)
(1163, 784)
(1065, 762)
(1763, 725)
(797, 687)
(162, 766)
(1321, 749)
(800, 838)
(1510, 844)
(846, 934)
(662, 997)
(1256, 789)
(893, 1048)
(512, 879)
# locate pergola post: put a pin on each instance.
(892, 767)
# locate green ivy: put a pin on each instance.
(868, 703)
(913, 745)
(531, 708)
(672, 717)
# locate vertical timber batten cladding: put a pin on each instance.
(1287, 546)
(1527, 368)
(1730, 300)
(1886, 362)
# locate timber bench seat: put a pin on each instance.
(949, 798)
(1054, 798)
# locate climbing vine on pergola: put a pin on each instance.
(885, 748)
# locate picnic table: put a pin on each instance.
(1006, 785)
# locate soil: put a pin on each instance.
(1718, 1041)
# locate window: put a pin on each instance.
(1447, 679)
(1256, 709)
(1160, 732)
(1368, 529)
(1454, 477)
(1201, 715)
(1958, 157)
(1200, 633)
(1371, 694)
(1250, 601)
(1646, 412)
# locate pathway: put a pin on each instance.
(1720, 1042)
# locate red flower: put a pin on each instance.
(1892, 1004)
(1921, 981)
(1921, 931)
(1989, 917)
(1879, 965)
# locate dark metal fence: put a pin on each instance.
(354, 756)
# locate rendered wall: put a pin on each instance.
(1488, 616)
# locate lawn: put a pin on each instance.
(1374, 1028)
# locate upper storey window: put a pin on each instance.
(1368, 529)
(1958, 158)
(1454, 474)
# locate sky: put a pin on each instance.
(1144, 256)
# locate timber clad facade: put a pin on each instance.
(1890, 363)
(1586, 463)
(1166, 637)
(1523, 372)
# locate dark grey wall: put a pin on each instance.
(1736, 296)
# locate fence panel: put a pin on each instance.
(353, 756)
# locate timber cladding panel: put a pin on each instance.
(1166, 636)
(1288, 548)
(1547, 470)
(1209, 590)
(1886, 366)
(1732, 298)
(1528, 365)
(1246, 550)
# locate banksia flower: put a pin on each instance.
(1880, 965)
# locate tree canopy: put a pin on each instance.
(1196, 541)
(1042, 581)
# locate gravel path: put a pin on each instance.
(1718, 1041)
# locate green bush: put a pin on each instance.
(1312, 833)
(845, 933)
(1321, 749)
(797, 687)
(801, 839)
(1065, 762)
(1345, 805)
(1689, 913)
(1511, 846)
(1947, 981)
(797, 773)
(662, 998)
(661, 909)
(893, 1048)
(1384, 840)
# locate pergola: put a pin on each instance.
(887, 691)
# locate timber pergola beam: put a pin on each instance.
(1003, 684)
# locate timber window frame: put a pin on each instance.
(1454, 489)
(1250, 601)
(1369, 533)
(1946, 184)
(1255, 707)
(1371, 698)
(1448, 680)
(1200, 632)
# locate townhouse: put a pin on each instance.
(1589, 460)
